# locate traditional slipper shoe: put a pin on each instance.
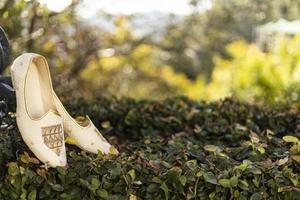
(38, 120)
(86, 135)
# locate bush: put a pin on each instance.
(174, 149)
(252, 74)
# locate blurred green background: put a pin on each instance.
(206, 50)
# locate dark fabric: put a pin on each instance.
(4, 50)
(6, 79)
(7, 92)
(7, 96)
(3, 109)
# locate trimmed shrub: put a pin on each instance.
(173, 149)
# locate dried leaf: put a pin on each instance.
(291, 139)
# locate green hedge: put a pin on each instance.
(174, 149)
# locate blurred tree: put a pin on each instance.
(193, 41)
(255, 75)
(61, 36)
(134, 68)
(87, 61)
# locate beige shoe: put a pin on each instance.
(38, 120)
(86, 134)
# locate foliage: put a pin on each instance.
(176, 149)
(252, 74)
(193, 41)
(89, 61)
(92, 60)
(171, 149)
(134, 70)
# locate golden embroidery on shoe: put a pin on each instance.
(53, 137)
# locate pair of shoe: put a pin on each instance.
(41, 117)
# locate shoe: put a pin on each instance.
(38, 120)
(86, 135)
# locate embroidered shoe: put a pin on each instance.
(86, 135)
(38, 120)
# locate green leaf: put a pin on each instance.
(261, 149)
(211, 148)
(294, 180)
(102, 193)
(243, 184)
(147, 141)
(199, 174)
(256, 196)
(132, 174)
(295, 149)
(224, 182)
(113, 151)
(234, 181)
(290, 138)
(243, 166)
(84, 182)
(255, 182)
(23, 195)
(106, 124)
(236, 193)
(71, 140)
(13, 168)
(212, 195)
(32, 195)
(165, 188)
(116, 170)
(253, 170)
(61, 170)
(156, 180)
(165, 164)
(182, 180)
(152, 188)
(283, 161)
(173, 174)
(95, 183)
(57, 187)
(210, 178)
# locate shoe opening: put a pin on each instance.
(38, 89)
